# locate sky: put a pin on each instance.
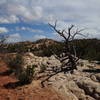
(27, 20)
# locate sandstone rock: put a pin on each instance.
(90, 87)
(89, 98)
(29, 54)
(93, 77)
(98, 77)
(77, 86)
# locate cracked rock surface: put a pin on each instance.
(83, 84)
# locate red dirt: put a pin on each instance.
(8, 91)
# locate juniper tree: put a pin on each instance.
(3, 38)
(68, 59)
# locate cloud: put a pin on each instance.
(29, 29)
(10, 19)
(13, 38)
(56, 37)
(2, 1)
(3, 30)
(37, 37)
(51, 9)
(25, 13)
(81, 13)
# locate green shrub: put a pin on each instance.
(23, 75)
(27, 75)
(14, 63)
(42, 68)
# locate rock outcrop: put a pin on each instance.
(30, 59)
(83, 84)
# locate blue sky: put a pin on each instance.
(27, 31)
(28, 19)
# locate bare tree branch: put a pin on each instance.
(3, 38)
(68, 59)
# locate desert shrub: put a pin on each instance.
(17, 48)
(42, 68)
(23, 75)
(50, 50)
(27, 75)
(14, 63)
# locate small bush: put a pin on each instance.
(23, 75)
(14, 63)
(42, 68)
(27, 75)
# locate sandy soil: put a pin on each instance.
(11, 90)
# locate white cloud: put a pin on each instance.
(52, 9)
(29, 29)
(84, 13)
(10, 19)
(3, 30)
(2, 1)
(57, 37)
(26, 13)
(14, 38)
(37, 37)
(62, 9)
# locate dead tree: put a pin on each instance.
(68, 59)
(3, 38)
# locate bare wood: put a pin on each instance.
(69, 60)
